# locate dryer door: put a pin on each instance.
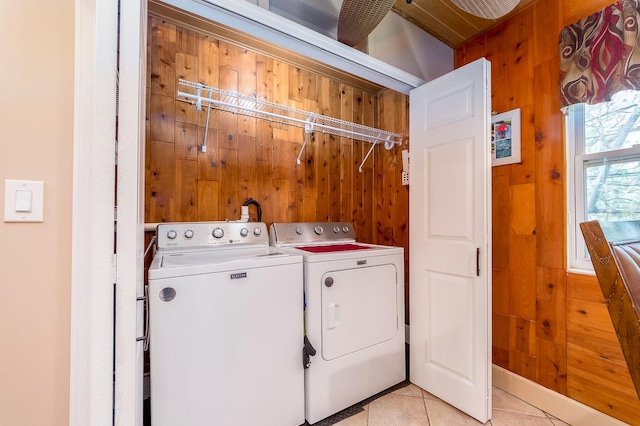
(359, 309)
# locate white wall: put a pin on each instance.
(398, 42)
(36, 143)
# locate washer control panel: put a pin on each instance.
(207, 234)
(311, 232)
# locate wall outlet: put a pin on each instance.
(405, 178)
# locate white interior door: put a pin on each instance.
(450, 243)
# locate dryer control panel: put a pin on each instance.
(311, 233)
(208, 234)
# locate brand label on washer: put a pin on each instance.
(238, 275)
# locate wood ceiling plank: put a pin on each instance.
(440, 19)
(446, 22)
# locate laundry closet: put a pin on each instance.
(203, 164)
(248, 157)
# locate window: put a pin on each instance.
(604, 167)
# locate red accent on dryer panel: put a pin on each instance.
(332, 248)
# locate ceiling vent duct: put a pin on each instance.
(359, 17)
(488, 9)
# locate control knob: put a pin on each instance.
(257, 232)
(218, 233)
(188, 233)
(318, 230)
(345, 229)
(172, 235)
(299, 230)
(244, 232)
(336, 229)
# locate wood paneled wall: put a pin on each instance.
(548, 326)
(597, 373)
(251, 158)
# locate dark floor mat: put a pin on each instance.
(356, 408)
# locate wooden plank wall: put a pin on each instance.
(248, 157)
(548, 326)
(598, 375)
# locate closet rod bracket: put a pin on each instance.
(308, 129)
(373, 145)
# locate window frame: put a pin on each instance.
(576, 161)
(575, 198)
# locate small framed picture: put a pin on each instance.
(505, 138)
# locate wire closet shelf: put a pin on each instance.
(210, 97)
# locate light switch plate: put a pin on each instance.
(11, 188)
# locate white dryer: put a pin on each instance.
(354, 314)
(226, 327)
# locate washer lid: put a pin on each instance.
(178, 259)
(169, 264)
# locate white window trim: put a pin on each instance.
(575, 245)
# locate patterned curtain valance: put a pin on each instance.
(600, 54)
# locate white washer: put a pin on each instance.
(354, 314)
(226, 327)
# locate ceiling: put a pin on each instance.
(440, 18)
(447, 22)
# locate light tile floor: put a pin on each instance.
(412, 406)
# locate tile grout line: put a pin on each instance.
(544, 415)
(368, 413)
(426, 410)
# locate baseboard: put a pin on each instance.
(554, 403)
